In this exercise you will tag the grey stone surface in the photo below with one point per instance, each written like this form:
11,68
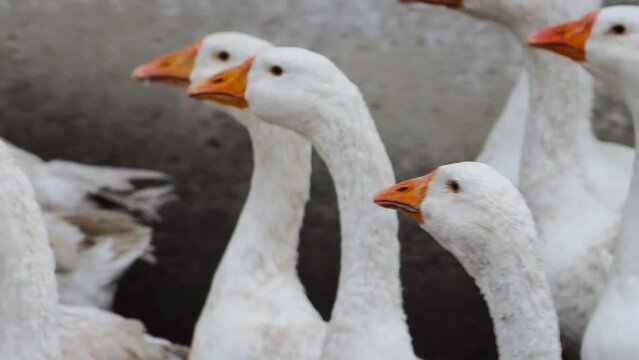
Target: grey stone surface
434,80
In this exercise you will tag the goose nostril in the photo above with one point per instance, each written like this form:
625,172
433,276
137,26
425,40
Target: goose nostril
403,189
165,64
217,80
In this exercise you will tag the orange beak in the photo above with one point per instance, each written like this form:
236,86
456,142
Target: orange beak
227,87
407,196
173,68
567,39
453,4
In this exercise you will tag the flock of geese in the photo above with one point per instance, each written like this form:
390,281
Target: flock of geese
544,221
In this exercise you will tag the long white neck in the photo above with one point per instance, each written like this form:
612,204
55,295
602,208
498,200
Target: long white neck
627,251
559,139
521,306
506,265
267,232
368,310
28,293
559,132
503,146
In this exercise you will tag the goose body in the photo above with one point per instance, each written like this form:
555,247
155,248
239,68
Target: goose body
29,306
257,307
34,325
480,217
91,334
502,148
575,185
605,43
92,246
306,93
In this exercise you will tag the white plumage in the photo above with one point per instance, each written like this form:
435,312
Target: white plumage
92,334
608,42
257,308
93,247
306,93
502,148
34,325
480,217
575,185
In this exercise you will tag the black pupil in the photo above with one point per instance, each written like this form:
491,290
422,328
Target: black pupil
223,55
276,70
619,29
454,186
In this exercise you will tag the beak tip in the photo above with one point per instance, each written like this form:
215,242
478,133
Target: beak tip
194,92
381,196
139,73
532,39
378,198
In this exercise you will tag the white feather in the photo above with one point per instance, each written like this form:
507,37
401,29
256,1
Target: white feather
257,308
34,326
316,100
93,247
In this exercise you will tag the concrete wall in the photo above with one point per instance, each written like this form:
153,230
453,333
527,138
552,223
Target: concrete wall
434,80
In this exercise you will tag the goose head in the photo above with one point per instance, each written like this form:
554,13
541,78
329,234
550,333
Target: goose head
462,205
224,50
289,87
213,53
205,57
605,42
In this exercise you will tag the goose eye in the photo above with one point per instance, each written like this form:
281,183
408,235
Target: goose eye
454,186
223,55
618,29
276,70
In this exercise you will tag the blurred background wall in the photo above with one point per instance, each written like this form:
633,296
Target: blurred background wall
434,80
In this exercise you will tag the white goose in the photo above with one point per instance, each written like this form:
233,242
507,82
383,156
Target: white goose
606,44
575,185
34,325
305,92
257,307
481,218
503,145
93,246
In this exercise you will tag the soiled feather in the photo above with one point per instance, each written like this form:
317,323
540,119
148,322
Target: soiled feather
93,248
